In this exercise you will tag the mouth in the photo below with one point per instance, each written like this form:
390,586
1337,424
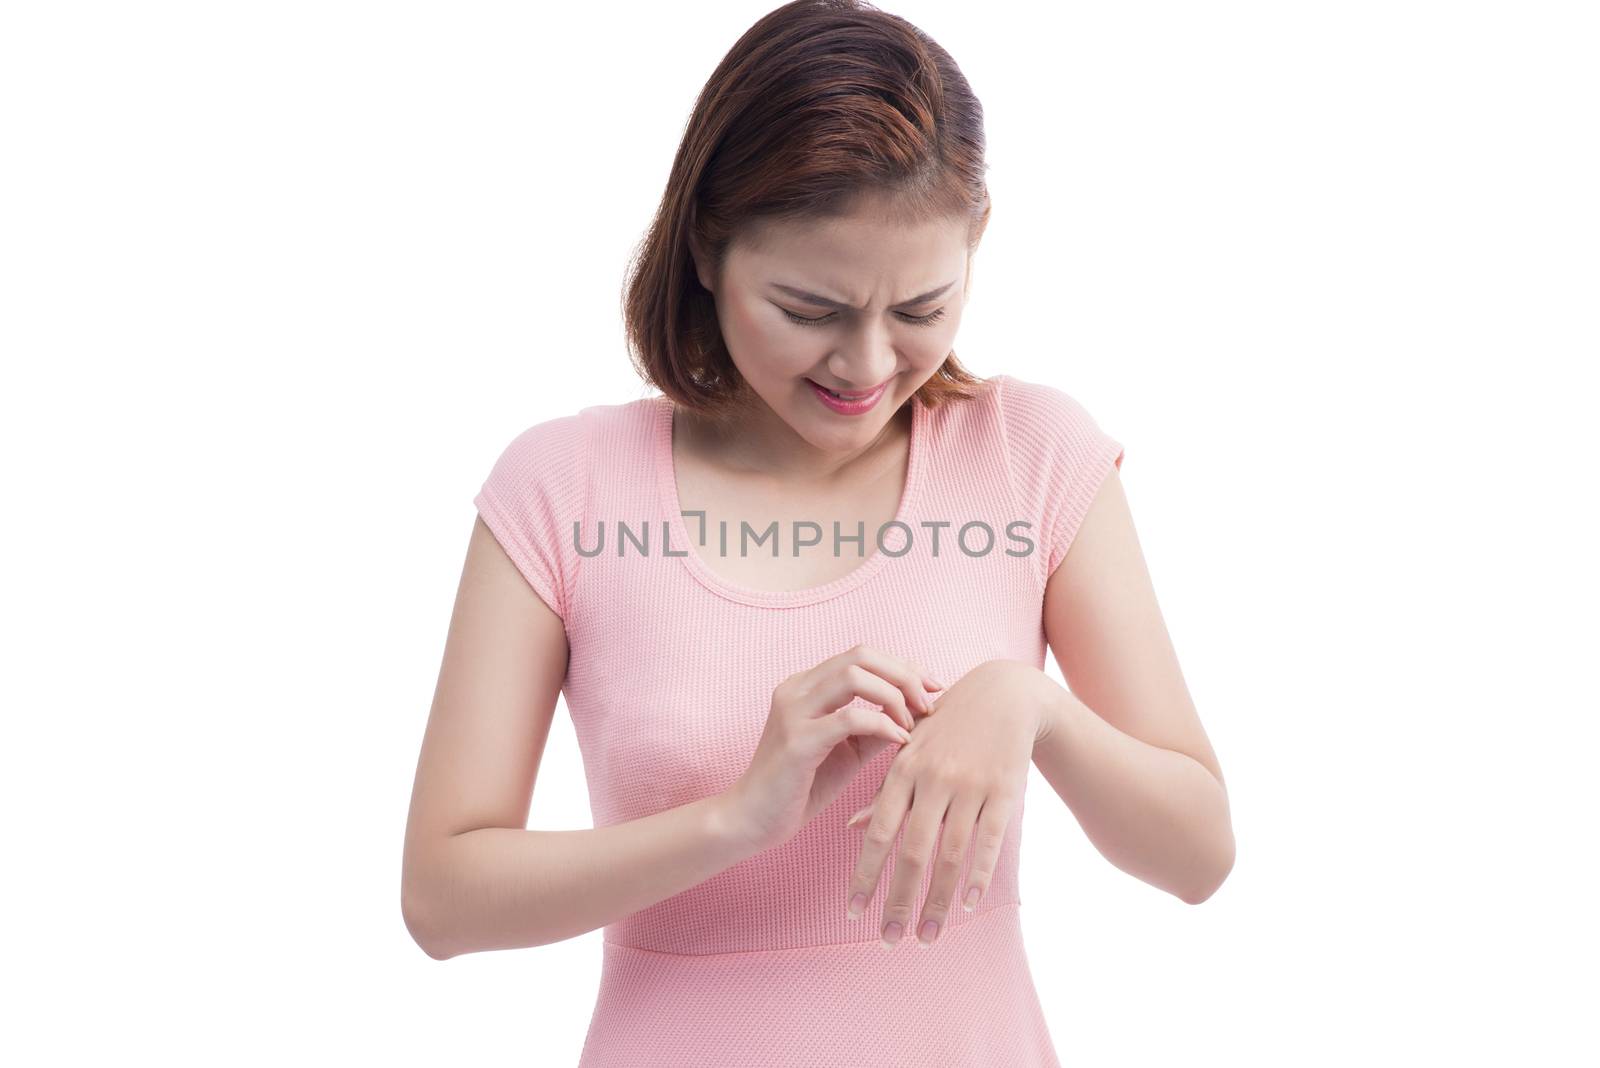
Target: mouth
854,395
853,403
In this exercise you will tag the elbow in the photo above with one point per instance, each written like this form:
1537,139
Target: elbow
421,924
423,908
1217,874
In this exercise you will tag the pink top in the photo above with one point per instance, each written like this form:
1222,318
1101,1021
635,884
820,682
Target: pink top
669,684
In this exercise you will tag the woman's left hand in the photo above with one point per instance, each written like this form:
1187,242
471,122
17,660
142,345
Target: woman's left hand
965,768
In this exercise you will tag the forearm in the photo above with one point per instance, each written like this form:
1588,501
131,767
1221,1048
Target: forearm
1159,815
509,888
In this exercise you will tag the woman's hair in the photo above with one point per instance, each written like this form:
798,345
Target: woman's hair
821,107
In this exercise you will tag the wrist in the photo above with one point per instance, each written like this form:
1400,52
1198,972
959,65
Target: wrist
725,816
1055,705
1049,698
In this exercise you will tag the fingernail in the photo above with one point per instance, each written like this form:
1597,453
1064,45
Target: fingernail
930,928
853,820
891,932
972,899
933,684
857,903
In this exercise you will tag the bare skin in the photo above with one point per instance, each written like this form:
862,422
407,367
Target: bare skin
1129,757
867,493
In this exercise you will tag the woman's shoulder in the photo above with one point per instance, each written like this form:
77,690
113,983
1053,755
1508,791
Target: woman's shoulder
1019,417
1025,398
1037,417
581,436
548,468
1056,455
539,486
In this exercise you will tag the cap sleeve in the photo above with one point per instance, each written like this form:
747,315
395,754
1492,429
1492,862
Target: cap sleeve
1058,457
535,493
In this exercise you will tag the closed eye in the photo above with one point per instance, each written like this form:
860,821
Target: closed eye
920,320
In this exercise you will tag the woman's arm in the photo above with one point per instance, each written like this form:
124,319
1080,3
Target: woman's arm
507,888
1124,746
474,877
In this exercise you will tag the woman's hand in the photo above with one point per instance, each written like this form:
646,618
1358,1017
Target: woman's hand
965,768
817,737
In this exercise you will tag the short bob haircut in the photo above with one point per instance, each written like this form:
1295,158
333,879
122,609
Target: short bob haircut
821,106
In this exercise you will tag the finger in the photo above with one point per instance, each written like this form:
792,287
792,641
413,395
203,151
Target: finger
910,676
842,723
888,809
911,862
895,669
953,843
987,838
863,814
838,687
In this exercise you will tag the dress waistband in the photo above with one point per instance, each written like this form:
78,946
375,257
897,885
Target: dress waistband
967,999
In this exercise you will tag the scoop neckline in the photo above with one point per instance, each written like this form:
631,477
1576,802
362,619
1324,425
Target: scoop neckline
895,538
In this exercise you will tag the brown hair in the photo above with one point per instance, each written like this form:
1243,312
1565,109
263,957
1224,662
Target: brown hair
821,106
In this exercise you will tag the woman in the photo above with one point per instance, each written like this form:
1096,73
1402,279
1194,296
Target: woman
814,577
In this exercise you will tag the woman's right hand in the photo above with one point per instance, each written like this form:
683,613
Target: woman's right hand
817,737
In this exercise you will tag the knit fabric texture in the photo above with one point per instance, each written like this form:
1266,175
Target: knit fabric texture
670,682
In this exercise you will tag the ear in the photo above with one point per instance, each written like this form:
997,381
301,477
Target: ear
701,264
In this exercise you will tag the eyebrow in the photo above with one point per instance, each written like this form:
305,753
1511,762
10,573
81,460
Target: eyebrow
824,302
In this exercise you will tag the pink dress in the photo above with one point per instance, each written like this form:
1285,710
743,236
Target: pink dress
670,681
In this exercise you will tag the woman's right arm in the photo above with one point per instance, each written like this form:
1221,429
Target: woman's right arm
474,877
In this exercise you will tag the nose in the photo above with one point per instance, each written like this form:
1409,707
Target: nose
864,362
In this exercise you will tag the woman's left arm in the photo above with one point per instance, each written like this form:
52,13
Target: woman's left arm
1124,747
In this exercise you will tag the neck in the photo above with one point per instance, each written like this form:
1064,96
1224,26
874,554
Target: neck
756,440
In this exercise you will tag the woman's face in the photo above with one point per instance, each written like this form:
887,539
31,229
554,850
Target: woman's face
899,289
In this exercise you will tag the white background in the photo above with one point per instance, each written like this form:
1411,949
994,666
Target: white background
281,280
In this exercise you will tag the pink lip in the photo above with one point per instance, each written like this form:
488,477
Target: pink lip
851,404
860,394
